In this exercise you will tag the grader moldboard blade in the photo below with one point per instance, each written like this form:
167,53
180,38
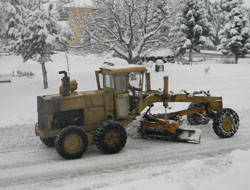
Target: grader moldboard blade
189,135
168,129
167,126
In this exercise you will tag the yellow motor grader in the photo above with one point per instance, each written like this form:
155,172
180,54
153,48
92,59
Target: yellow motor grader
72,120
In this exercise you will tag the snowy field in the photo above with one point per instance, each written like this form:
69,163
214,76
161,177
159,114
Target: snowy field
215,164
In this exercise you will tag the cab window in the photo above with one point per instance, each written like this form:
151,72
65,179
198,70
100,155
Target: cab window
121,84
108,81
135,80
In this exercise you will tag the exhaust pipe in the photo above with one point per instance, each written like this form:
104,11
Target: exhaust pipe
65,86
165,92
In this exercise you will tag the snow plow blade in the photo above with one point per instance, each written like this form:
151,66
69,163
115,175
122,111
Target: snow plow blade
189,135
155,127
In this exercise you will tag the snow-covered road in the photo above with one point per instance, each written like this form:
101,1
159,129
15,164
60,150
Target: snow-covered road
25,163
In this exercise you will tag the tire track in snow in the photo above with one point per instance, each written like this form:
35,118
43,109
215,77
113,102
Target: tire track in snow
24,158
146,153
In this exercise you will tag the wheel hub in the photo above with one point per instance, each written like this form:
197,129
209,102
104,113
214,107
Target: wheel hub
72,143
112,138
227,124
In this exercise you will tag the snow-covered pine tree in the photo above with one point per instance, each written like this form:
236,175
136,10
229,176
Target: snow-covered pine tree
225,7
32,4
175,38
235,36
2,23
229,5
194,27
214,10
161,40
13,19
38,40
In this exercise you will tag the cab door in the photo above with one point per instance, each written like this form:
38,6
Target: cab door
135,84
122,97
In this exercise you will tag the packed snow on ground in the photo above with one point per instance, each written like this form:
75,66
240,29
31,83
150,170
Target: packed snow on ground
218,173
18,108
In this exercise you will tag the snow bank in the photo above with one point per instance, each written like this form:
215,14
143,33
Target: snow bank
218,173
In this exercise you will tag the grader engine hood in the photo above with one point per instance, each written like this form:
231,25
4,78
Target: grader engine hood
79,108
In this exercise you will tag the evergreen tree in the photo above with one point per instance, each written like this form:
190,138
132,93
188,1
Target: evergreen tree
38,40
225,7
235,36
2,23
194,29
229,5
161,40
13,19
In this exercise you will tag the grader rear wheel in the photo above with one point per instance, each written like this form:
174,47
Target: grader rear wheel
71,142
226,123
110,137
196,119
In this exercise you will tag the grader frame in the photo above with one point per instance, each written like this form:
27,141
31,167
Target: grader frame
71,120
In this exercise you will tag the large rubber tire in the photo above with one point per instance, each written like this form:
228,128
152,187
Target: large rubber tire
110,137
195,119
226,123
49,142
71,142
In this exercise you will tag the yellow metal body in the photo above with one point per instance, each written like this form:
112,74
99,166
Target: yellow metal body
115,99
72,87
227,124
112,138
162,124
73,143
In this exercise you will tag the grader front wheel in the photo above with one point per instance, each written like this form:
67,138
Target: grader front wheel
110,137
226,123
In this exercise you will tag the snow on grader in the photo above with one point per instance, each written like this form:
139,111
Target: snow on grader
72,120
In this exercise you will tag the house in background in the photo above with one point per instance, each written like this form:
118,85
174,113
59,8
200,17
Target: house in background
76,11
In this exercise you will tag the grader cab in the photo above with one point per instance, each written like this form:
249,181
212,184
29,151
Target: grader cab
72,120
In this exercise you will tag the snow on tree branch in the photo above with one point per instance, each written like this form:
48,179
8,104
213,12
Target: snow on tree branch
124,26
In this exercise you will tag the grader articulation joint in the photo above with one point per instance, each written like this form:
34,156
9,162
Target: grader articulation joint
72,120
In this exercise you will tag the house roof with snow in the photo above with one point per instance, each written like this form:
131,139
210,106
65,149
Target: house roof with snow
80,4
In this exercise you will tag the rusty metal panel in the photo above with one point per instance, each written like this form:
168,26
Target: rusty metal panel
88,101
64,104
41,111
97,100
109,101
109,115
94,115
72,104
